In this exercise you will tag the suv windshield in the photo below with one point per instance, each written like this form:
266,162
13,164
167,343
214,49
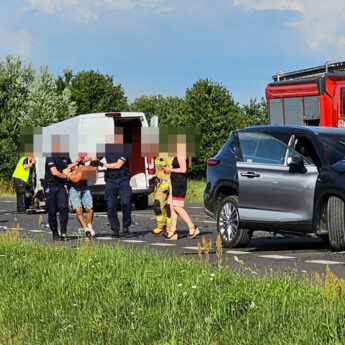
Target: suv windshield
332,147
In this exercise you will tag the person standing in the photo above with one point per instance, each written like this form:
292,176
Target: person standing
21,177
56,194
160,206
80,196
117,184
177,197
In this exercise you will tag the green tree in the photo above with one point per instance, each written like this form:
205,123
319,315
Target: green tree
64,81
211,107
45,104
27,98
255,113
94,92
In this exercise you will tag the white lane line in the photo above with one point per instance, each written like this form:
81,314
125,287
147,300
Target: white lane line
10,228
277,257
36,230
325,262
194,207
133,241
191,248
236,252
7,201
104,238
209,221
163,244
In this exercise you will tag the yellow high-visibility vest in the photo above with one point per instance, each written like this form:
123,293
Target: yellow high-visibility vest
20,172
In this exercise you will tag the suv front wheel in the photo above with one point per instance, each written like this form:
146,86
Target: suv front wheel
228,220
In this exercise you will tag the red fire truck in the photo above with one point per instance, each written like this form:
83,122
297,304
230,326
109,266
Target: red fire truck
310,97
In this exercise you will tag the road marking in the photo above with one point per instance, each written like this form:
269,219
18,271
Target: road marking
191,248
36,230
277,257
133,241
194,207
7,201
236,252
104,238
163,244
325,262
209,221
10,228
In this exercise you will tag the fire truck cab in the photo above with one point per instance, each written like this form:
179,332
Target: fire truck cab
309,97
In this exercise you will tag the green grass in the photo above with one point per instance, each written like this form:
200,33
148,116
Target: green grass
115,295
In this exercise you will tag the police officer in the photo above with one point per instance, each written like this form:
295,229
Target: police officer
117,184
21,177
56,194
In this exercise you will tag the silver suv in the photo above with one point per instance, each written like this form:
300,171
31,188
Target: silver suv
279,179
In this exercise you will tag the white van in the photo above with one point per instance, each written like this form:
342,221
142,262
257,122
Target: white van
88,133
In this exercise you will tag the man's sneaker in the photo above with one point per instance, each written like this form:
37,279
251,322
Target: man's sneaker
125,230
115,234
63,237
89,232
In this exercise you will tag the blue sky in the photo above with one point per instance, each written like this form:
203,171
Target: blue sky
164,46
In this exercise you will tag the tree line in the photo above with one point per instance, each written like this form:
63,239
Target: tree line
30,97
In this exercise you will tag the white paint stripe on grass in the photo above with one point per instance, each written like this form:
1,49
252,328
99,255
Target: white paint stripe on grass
163,244
133,241
235,252
276,257
325,262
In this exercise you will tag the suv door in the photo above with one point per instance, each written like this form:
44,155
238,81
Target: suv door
273,195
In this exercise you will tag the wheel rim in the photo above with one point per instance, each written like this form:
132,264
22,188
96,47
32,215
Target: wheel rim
228,221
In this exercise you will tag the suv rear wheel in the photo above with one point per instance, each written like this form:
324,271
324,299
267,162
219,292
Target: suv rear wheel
228,220
336,223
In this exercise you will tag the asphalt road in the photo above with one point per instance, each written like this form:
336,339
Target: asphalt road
265,253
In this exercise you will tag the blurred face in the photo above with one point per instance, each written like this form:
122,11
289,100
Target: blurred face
181,146
118,137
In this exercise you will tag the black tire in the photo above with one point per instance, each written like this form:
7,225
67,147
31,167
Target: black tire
336,223
228,220
141,203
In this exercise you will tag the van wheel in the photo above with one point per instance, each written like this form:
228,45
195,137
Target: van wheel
336,223
228,221
142,202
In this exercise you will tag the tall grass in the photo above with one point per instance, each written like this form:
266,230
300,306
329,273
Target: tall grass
115,295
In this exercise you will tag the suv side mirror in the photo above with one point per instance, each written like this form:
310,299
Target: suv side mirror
295,161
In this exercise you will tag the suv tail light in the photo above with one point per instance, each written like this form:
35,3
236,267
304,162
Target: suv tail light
211,162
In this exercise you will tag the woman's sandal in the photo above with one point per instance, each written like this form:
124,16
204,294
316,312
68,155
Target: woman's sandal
172,237
195,233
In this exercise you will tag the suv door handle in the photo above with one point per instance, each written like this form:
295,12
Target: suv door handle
250,174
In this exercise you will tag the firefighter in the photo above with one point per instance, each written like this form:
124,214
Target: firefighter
160,207
21,177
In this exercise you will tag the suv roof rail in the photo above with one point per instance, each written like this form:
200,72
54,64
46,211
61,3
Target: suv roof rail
328,67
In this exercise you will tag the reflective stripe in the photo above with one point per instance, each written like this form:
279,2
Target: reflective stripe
161,218
20,172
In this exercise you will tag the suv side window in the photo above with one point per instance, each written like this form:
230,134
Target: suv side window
261,148
305,147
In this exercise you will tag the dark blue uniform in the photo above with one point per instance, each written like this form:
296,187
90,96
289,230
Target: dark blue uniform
117,184
56,195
